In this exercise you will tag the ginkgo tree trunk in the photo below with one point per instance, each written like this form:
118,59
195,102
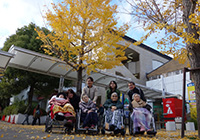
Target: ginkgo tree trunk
85,35
179,19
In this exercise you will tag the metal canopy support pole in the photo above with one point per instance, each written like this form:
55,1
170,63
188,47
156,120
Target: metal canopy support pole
61,84
183,103
183,107
162,85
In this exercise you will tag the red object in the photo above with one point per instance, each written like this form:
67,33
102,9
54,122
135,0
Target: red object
13,121
172,108
52,115
40,98
3,118
9,119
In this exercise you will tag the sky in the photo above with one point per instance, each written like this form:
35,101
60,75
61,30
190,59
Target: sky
15,14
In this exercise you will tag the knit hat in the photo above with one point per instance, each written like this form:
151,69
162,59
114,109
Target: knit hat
135,94
114,94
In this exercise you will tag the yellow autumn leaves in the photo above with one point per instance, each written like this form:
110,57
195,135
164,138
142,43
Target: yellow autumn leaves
168,18
37,133
84,34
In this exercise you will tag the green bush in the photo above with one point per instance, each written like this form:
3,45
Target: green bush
15,108
20,107
12,109
193,114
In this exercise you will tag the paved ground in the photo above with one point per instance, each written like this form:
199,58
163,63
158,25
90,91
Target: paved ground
10,131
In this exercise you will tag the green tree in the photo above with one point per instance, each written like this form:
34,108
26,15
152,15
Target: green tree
15,80
85,35
179,19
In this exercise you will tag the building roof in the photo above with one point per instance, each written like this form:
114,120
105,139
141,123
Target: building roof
147,48
4,59
47,65
169,66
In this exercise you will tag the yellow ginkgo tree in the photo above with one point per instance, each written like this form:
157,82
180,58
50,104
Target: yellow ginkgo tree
179,21
85,35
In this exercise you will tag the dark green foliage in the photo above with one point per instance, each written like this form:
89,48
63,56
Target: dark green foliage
15,80
15,108
20,107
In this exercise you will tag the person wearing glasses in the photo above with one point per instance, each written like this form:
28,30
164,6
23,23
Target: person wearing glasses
113,114
134,90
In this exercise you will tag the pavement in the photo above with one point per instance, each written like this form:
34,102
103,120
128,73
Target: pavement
10,131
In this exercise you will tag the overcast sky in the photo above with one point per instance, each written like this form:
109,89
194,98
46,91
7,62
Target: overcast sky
18,13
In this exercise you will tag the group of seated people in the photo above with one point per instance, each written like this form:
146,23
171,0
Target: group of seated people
66,104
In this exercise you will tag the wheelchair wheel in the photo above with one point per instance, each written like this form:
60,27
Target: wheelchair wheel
68,130
130,126
48,125
151,133
123,132
49,130
102,131
138,133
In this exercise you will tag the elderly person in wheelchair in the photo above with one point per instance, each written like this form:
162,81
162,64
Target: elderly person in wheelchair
141,115
61,106
113,114
88,112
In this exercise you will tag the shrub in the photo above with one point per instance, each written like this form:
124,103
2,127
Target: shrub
15,108
193,113
20,107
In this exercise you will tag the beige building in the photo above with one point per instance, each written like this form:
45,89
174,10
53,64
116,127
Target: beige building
142,59
169,77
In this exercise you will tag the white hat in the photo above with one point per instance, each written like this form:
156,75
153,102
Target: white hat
135,94
114,93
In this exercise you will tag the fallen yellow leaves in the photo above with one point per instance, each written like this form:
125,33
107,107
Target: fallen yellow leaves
43,137
38,134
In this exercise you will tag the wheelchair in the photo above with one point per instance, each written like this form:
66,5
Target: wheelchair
113,129
136,131
58,122
79,128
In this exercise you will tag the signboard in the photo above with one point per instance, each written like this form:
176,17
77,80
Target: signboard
191,95
172,108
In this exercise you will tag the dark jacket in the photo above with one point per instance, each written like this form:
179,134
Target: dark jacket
87,106
109,103
100,111
138,91
109,92
75,102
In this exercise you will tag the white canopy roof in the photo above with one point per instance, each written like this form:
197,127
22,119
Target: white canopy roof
4,59
35,62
